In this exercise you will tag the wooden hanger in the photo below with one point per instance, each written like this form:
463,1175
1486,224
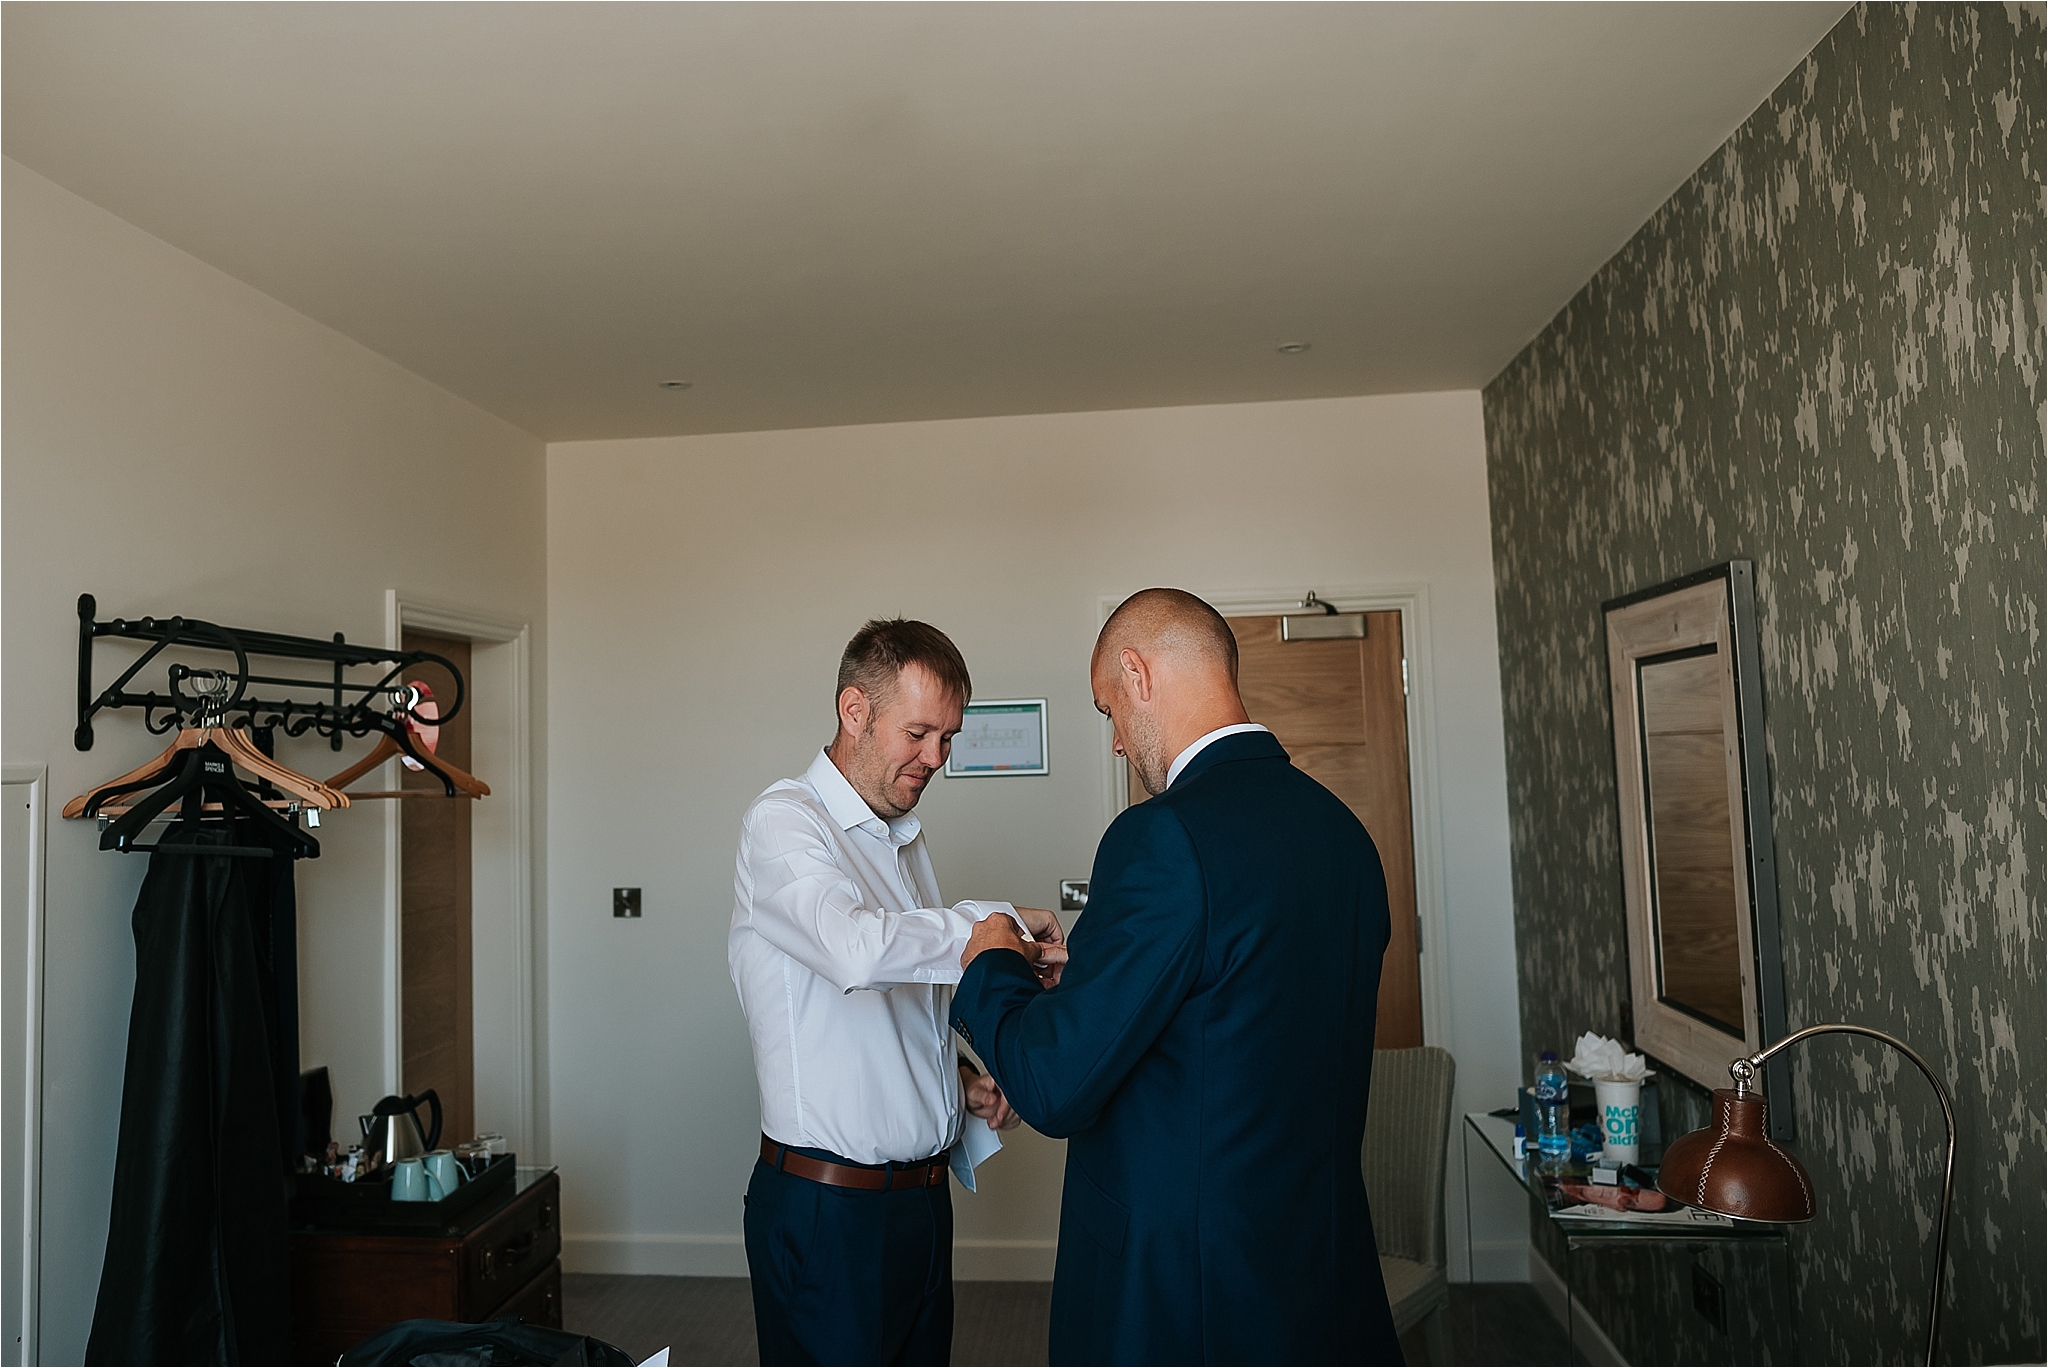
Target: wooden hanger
149,775
236,745
210,809
455,781
243,752
213,688
207,770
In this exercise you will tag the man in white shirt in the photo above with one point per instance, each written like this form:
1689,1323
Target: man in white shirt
845,960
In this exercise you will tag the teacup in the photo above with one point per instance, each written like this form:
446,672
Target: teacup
445,1169
410,1182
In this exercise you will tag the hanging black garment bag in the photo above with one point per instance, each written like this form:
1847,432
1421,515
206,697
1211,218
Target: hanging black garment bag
197,1266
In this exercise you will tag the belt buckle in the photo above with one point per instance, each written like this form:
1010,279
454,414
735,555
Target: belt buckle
921,1174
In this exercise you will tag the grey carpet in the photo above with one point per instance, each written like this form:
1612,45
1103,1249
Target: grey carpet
702,1320
1501,1323
711,1320
1000,1322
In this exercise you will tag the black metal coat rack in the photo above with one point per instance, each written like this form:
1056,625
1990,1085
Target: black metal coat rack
340,706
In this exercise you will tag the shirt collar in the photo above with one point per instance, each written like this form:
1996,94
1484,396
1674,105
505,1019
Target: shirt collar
849,810
1201,743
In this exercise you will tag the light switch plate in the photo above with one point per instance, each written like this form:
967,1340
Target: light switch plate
1073,895
625,902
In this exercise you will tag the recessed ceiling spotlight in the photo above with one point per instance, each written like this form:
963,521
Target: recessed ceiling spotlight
1292,348
675,384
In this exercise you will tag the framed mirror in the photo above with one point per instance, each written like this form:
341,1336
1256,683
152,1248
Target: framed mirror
1697,866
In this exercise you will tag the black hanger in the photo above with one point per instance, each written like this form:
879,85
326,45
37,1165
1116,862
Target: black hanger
207,772
99,798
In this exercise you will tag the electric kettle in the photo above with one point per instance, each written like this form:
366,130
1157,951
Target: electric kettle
393,1127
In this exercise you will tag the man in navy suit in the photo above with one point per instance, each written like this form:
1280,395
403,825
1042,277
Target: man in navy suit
1208,1046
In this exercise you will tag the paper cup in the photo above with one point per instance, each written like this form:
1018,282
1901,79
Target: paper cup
1621,1116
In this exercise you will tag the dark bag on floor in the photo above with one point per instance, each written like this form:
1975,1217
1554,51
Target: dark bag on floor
496,1342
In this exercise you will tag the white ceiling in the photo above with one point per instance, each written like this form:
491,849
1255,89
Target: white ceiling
859,213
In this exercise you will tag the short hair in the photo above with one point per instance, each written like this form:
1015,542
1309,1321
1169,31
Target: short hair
885,647
1173,619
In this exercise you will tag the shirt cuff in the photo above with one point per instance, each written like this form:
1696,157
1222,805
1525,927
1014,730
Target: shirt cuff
981,910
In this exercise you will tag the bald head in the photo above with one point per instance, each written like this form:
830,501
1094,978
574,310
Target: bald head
1165,674
1169,623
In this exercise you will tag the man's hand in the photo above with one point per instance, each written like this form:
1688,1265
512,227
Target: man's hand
1043,925
1045,929
1000,933
986,1100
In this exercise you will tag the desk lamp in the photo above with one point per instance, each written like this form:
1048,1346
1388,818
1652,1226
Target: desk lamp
1733,1168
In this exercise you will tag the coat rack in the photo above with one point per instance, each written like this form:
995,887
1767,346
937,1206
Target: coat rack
339,707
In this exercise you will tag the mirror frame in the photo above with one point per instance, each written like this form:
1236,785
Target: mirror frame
1712,607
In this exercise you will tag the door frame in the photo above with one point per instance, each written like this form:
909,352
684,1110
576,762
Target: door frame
501,860
27,1014
1411,601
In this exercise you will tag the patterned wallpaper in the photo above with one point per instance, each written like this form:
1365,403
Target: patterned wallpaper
1825,354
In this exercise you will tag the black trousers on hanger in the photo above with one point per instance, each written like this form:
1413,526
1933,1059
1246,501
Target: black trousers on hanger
197,1267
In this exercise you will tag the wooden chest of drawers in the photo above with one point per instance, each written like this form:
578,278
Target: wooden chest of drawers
502,1261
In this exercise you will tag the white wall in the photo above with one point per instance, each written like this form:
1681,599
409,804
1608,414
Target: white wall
175,441
700,590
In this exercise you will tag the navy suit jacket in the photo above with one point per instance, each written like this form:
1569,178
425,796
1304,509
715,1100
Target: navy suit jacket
1207,1054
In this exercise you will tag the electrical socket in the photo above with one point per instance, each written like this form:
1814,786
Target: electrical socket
1707,1299
1073,895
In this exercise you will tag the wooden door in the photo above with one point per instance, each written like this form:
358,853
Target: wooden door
435,1007
1341,710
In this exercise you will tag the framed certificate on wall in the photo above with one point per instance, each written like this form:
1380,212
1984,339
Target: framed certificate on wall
1001,737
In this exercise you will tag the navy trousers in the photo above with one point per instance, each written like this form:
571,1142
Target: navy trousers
846,1276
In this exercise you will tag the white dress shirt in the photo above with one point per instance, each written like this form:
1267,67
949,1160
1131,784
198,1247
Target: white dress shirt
1202,742
845,961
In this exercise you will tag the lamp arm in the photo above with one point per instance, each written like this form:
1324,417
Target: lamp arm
1743,1069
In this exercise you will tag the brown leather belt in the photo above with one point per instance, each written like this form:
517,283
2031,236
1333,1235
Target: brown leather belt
922,1173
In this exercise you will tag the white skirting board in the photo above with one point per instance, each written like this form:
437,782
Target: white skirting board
1497,1261
675,1256
725,1256
1004,1260
1587,1336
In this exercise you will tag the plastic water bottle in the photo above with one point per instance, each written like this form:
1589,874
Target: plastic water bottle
1553,1103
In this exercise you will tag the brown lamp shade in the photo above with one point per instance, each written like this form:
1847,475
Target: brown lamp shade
1733,1168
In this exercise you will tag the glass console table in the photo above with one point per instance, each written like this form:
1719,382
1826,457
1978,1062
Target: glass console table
1675,1227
